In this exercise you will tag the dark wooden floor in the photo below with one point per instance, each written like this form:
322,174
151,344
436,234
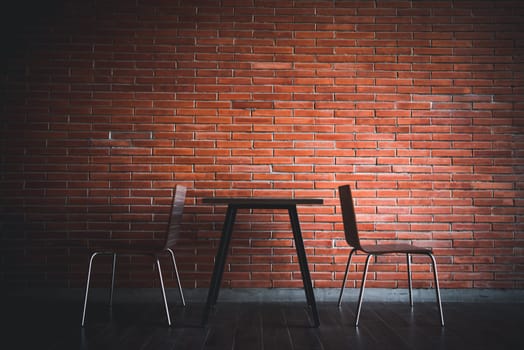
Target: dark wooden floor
56,325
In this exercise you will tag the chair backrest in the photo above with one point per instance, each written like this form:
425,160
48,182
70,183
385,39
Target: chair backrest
348,216
175,218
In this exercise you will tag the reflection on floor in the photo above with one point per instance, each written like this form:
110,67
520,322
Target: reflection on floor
56,325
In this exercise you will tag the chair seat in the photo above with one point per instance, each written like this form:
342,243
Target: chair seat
134,247
391,248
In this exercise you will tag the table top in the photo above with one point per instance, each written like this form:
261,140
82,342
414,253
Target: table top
269,202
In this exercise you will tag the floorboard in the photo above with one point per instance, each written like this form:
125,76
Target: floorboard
39,324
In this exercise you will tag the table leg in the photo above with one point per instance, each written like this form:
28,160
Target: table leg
220,261
304,269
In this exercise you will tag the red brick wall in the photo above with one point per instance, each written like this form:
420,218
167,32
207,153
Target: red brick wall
418,105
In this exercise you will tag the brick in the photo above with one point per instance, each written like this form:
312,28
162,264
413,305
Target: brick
416,104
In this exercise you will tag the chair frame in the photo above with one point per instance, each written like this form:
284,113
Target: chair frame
352,238
173,227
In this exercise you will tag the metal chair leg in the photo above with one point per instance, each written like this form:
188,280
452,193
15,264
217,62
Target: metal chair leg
87,285
345,277
362,287
112,280
437,288
410,285
177,276
163,290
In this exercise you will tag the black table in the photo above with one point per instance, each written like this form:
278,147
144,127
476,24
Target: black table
235,203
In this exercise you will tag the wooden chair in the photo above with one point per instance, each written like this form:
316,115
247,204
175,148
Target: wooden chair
352,238
114,249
